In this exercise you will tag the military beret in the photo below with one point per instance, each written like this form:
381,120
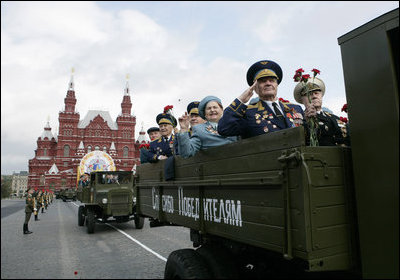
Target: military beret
203,104
264,68
152,129
192,108
311,85
165,118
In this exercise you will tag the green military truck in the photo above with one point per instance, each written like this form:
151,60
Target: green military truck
57,193
68,194
270,206
110,194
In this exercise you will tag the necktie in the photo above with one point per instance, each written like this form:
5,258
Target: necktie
278,113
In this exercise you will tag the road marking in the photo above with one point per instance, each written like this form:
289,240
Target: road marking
139,243
134,240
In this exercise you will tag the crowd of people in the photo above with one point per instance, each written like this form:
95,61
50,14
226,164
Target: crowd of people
207,124
36,200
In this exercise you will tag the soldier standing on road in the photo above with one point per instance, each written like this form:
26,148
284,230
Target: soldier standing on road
46,199
28,211
36,197
42,201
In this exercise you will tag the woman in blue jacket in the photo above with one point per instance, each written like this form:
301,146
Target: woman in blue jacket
204,135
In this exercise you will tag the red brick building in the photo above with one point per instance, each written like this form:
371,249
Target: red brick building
57,157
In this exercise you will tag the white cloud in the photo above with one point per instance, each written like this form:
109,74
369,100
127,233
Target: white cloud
169,64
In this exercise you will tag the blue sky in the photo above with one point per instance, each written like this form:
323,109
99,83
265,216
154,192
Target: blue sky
175,52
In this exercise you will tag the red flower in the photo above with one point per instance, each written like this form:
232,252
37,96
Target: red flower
300,70
146,146
344,108
167,108
345,120
283,100
297,77
316,72
304,78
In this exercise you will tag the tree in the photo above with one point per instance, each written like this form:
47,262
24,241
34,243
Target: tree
6,188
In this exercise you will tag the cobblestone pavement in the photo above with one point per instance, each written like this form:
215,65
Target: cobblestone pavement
59,249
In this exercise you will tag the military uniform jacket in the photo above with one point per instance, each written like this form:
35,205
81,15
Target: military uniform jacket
161,146
29,204
204,136
257,118
331,130
37,199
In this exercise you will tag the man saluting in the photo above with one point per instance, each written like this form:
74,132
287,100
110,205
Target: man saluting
264,114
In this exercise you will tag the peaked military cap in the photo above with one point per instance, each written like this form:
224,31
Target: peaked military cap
192,108
264,68
152,129
165,118
311,85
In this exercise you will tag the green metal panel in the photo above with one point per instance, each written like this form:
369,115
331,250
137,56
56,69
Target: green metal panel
371,80
268,191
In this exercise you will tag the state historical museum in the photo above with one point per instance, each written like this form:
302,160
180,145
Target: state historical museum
57,157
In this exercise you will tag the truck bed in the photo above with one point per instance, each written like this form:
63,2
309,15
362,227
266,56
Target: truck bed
269,191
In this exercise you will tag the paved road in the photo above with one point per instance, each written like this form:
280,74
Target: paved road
59,248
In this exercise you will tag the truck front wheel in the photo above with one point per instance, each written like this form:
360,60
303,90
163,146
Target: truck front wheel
139,222
81,216
186,264
90,221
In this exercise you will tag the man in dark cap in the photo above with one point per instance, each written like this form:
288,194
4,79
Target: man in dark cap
154,133
194,117
164,146
264,114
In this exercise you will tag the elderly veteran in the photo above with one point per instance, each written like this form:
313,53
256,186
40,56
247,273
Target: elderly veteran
331,131
194,117
154,133
264,114
164,146
204,135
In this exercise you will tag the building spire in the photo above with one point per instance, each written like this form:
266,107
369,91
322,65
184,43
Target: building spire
48,122
126,104
71,82
127,85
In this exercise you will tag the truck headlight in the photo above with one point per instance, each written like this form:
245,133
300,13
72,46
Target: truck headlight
104,200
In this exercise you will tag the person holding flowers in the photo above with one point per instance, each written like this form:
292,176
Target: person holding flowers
322,128
264,114
166,145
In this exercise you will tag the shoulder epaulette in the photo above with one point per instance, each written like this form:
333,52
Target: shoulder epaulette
157,139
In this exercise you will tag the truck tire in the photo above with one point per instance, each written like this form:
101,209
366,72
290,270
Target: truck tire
220,262
81,216
186,264
139,222
90,221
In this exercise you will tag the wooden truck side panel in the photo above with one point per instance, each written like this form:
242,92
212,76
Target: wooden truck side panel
268,191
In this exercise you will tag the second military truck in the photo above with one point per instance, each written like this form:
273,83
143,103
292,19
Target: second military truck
109,195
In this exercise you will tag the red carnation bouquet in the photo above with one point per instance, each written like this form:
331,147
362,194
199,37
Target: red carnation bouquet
146,146
168,109
312,122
